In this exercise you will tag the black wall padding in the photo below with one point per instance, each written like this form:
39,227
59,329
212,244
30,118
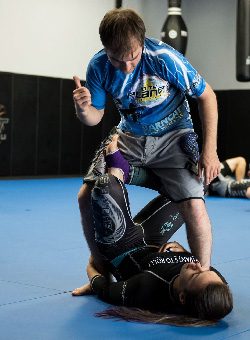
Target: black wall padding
45,138
6,100
24,125
93,135
70,133
243,41
233,123
48,126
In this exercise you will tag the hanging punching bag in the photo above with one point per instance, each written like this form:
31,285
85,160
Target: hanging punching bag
243,41
174,31
118,4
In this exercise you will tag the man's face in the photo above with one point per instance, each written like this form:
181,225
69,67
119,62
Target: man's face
128,62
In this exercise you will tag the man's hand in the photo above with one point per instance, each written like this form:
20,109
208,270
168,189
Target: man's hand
209,167
209,164
81,96
87,114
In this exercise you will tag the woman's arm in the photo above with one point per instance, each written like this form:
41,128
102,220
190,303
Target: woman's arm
133,292
91,272
238,166
172,246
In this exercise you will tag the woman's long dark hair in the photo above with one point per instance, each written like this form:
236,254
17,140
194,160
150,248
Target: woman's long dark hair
203,309
213,302
140,315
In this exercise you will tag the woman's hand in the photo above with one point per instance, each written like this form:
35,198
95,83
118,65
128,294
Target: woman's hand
83,290
172,246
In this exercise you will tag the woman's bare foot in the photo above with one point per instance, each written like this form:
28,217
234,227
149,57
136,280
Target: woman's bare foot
112,146
83,290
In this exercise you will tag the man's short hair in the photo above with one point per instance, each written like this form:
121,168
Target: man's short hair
119,27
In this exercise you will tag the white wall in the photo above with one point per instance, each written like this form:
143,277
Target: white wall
58,37
50,37
212,37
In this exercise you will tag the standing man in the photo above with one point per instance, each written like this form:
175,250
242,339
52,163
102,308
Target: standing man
149,82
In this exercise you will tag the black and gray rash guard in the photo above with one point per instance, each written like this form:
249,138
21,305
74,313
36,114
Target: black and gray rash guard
151,288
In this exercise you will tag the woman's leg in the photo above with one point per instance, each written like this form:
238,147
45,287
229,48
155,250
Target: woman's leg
115,231
238,167
160,219
84,201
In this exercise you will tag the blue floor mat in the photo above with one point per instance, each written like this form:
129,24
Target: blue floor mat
43,257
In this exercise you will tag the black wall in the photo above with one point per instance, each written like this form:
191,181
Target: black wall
233,123
45,138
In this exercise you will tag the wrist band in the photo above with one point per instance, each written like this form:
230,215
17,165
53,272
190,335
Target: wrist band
116,160
93,279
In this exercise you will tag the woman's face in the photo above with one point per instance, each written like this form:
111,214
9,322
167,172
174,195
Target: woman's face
193,277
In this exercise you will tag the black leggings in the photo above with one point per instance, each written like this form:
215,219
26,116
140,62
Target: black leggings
116,233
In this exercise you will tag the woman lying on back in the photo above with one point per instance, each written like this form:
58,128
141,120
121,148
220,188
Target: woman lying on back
157,282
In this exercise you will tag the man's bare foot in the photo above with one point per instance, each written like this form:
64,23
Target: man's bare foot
83,290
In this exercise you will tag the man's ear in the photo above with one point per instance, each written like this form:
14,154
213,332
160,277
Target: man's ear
182,298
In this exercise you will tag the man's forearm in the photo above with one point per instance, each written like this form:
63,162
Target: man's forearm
90,116
199,231
208,112
200,242
209,131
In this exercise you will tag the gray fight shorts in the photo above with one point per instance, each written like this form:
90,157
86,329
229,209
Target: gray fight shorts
167,164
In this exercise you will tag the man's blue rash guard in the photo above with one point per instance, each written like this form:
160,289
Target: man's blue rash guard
152,99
